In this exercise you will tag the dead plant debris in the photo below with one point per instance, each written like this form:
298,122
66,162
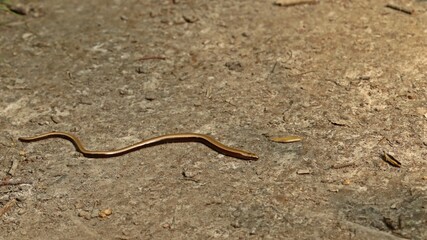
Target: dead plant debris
7,206
398,8
290,3
391,160
287,139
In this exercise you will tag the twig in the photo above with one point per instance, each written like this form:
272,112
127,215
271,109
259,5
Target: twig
272,71
397,8
290,3
301,74
151,58
11,182
7,206
342,165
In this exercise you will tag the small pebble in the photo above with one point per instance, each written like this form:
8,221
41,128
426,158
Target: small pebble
21,211
55,119
189,173
140,70
84,214
166,225
27,35
94,213
150,97
234,66
346,182
105,213
78,205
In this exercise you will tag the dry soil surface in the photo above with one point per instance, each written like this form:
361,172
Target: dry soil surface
347,76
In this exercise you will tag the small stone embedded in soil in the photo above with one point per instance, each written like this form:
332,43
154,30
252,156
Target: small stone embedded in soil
43,123
55,119
43,197
346,182
140,70
150,97
26,36
393,225
188,173
94,213
166,225
84,214
340,122
364,77
303,171
22,211
105,213
234,66
190,18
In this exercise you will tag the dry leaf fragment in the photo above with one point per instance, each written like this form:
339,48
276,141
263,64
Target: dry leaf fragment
287,139
391,160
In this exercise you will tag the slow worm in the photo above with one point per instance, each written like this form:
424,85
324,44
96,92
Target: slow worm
180,137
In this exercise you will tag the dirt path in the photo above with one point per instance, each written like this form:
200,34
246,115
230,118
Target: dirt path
347,76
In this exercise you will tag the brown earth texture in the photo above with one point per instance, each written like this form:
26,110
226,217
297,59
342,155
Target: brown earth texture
348,77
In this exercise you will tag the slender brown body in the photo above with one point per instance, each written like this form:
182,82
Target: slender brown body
180,137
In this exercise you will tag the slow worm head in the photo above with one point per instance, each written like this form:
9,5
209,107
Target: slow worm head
180,137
